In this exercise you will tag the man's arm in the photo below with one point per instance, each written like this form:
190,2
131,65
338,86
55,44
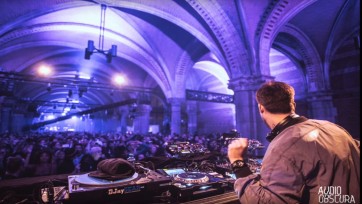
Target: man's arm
279,180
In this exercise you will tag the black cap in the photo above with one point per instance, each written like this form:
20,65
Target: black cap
113,169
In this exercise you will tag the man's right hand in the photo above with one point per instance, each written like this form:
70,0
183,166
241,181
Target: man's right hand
237,149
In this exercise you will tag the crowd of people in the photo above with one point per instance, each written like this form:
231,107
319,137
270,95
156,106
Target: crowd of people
42,154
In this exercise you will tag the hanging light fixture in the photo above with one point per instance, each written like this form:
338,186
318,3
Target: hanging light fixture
112,52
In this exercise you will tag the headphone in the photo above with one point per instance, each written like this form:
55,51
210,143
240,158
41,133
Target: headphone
290,120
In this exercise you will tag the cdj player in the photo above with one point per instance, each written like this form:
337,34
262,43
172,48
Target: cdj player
197,173
188,186
143,187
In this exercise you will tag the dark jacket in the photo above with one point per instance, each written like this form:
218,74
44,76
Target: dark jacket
88,164
311,162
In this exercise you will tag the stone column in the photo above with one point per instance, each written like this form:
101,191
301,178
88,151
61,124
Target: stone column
123,119
321,106
192,116
142,120
175,115
18,122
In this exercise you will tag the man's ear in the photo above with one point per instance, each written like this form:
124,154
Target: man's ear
261,108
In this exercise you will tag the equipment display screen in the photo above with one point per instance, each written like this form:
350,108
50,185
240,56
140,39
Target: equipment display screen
173,172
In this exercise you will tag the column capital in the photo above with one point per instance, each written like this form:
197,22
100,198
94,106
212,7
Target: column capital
144,108
248,83
175,101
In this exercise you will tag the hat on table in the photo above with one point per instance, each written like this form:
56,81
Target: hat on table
113,169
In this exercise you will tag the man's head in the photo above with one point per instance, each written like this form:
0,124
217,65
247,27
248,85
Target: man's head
276,97
275,102
96,152
14,165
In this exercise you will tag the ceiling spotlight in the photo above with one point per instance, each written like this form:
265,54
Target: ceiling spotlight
44,70
119,79
89,50
111,53
90,46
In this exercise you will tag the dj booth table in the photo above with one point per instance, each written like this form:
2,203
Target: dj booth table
189,175
29,190
201,179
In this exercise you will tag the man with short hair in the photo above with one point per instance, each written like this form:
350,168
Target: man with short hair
90,161
307,161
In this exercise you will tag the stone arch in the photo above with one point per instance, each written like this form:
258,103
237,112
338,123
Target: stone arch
333,42
184,65
227,36
312,63
333,51
275,16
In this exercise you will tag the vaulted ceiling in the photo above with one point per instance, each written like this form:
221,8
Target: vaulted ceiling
163,46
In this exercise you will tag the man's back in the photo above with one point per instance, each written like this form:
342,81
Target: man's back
320,160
